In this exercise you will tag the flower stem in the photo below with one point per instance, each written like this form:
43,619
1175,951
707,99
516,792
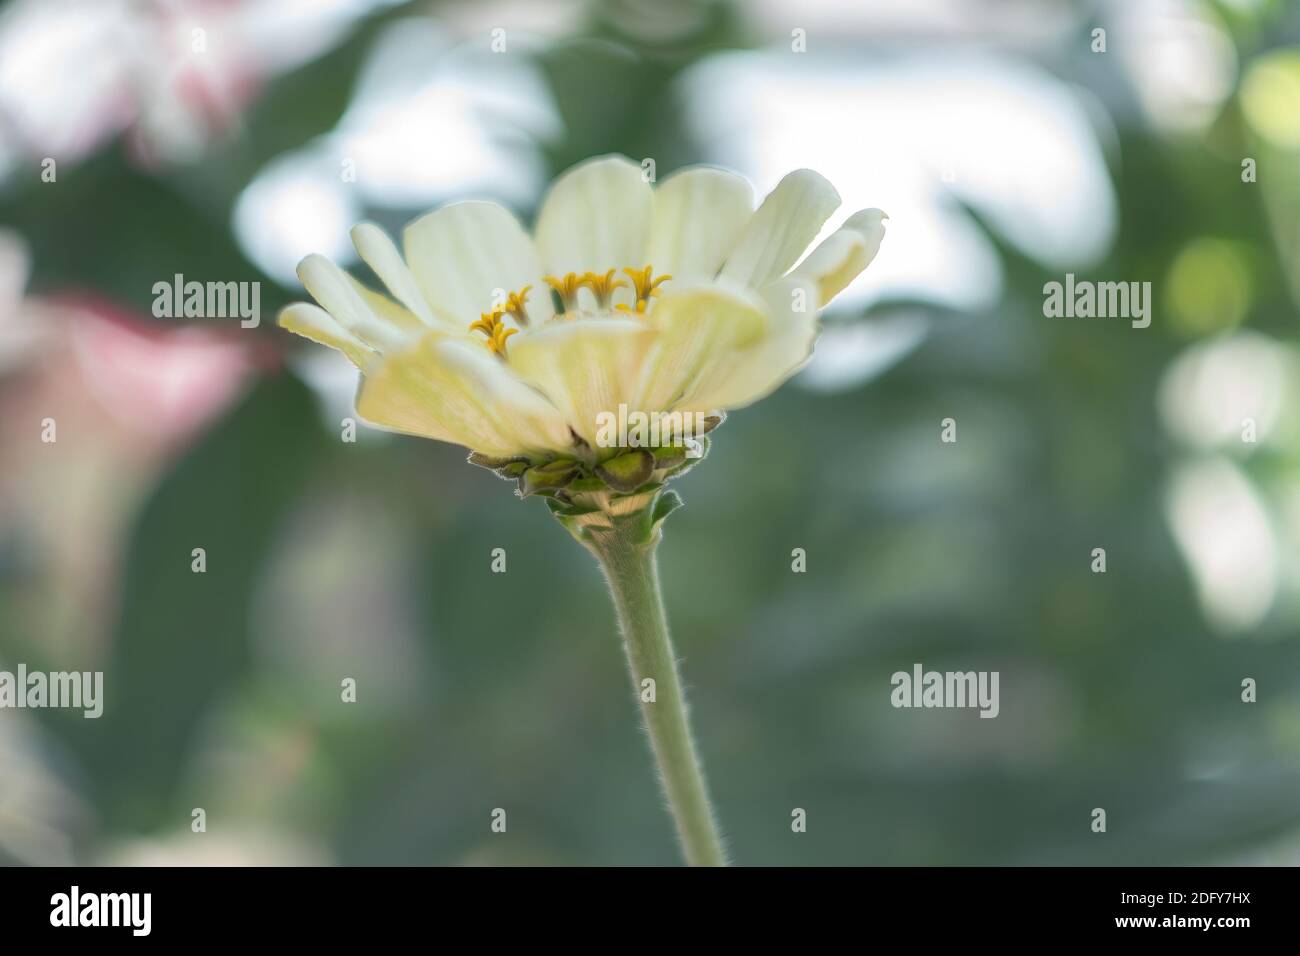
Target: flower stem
628,561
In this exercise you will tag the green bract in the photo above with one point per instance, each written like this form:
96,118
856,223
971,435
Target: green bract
625,472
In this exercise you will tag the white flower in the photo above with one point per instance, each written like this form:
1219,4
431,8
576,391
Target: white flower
680,298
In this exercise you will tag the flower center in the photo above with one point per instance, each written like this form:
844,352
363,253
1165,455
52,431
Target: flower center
645,286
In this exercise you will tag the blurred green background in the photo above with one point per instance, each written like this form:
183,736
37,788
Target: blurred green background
223,141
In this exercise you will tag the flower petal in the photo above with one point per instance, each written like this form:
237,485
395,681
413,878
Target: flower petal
584,367
781,229
337,292
390,312
596,217
467,256
378,251
757,372
313,322
699,215
845,253
455,390
699,330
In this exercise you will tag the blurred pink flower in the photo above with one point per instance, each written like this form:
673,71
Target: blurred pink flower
164,381
124,396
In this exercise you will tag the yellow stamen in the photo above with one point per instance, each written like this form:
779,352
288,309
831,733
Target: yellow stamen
515,304
602,287
645,286
497,332
486,322
499,335
567,288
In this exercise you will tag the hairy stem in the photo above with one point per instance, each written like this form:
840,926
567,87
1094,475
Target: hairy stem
628,561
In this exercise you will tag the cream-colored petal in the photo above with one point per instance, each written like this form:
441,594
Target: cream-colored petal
468,255
759,370
699,329
781,229
337,292
844,254
699,215
596,217
312,322
392,313
380,253
455,390
869,222
584,367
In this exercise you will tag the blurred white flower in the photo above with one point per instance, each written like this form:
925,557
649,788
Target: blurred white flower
922,134
428,121
1181,60
1231,393
1226,536
175,72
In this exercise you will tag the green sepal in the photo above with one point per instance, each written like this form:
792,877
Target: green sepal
664,505
649,488
676,438
687,464
559,464
669,456
508,468
563,509
577,519
629,471
490,462
548,478
587,483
